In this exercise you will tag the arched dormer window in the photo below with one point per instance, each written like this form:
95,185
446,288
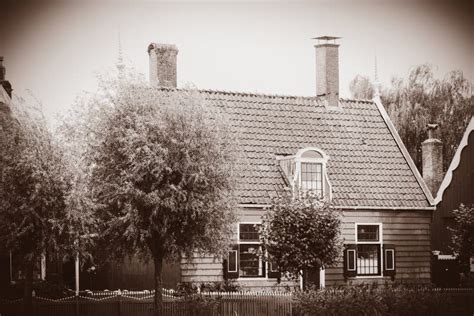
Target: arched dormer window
306,170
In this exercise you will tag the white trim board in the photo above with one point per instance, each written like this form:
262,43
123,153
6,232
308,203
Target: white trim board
403,149
454,163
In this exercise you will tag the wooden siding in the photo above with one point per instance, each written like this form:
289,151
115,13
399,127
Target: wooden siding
460,190
409,231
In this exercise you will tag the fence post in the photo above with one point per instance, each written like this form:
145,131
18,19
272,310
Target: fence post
77,304
119,303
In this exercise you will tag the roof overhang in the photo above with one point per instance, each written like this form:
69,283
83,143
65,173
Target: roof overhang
403,149
368,208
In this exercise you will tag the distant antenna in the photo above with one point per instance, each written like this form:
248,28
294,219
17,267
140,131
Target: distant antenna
120,64
376,77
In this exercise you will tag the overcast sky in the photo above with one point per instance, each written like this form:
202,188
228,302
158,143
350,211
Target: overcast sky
54,48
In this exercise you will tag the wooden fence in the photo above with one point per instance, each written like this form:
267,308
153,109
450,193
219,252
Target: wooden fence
141,304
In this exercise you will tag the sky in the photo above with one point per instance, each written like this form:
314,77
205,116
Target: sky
56,48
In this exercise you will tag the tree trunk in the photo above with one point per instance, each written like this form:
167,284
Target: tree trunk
158,262
28,289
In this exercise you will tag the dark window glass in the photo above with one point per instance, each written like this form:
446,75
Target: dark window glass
251,265
368,233
249,232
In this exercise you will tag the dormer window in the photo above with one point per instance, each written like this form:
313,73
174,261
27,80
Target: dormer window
306,171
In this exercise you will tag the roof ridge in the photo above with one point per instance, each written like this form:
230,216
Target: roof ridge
256,94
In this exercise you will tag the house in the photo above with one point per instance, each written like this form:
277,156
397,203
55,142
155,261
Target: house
456,187
347,150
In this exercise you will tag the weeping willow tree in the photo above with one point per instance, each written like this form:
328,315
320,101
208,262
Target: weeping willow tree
420,99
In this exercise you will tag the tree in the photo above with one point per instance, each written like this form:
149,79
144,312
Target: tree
161,171
361,88
36,217
422,98
462,235
301,232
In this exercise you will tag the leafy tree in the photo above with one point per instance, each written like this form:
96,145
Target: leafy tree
420,99
36,214
161,169
361,88
463,235
301,233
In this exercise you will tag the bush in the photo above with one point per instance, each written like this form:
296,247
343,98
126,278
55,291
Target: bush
188,288
41,288
372,300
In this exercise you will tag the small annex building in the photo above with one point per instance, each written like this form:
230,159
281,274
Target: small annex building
347,150
456,187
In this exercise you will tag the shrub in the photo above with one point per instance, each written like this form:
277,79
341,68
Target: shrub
41,288
372,300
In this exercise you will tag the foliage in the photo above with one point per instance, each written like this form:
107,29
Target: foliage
160,165
361,88
420,99
41,288
301,232
372,300
187,288
462,235
36,193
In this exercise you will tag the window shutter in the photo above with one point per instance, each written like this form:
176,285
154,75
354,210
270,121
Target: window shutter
350,260
389,262
231,263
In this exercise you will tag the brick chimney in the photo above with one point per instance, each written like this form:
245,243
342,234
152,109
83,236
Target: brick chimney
327,69
163,65
432,154
5,83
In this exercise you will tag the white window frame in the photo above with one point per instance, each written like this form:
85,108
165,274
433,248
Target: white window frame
296,181
265,277
381,252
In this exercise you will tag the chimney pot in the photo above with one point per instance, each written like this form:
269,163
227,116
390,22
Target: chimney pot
163,65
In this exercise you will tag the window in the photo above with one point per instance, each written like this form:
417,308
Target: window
364,258
312,177
307,171
251,262
368,249
245,260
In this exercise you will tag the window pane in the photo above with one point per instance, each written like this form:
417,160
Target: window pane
251,265
368,233
368,259
311,177
249,232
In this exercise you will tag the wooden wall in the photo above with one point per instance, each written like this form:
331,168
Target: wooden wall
460,190
409,231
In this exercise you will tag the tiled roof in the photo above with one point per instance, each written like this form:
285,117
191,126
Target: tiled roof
365,167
